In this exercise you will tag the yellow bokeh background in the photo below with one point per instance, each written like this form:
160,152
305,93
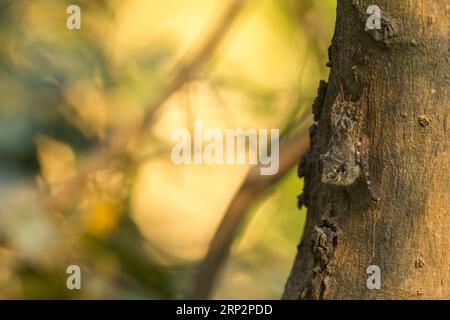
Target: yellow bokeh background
100,80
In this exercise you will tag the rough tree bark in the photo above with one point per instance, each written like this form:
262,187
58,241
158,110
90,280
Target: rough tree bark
404,70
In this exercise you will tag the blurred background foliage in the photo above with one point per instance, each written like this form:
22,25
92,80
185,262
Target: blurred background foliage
140,228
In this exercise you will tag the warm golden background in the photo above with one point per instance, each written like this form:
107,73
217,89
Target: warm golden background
139,227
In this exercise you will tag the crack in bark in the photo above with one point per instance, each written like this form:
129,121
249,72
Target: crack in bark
325,239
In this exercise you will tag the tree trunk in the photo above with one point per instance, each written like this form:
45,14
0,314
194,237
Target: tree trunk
398,76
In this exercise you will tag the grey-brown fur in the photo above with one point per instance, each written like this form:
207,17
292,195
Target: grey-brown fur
346,156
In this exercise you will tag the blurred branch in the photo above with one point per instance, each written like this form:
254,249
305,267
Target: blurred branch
254,185
301,11
187,69
115,149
